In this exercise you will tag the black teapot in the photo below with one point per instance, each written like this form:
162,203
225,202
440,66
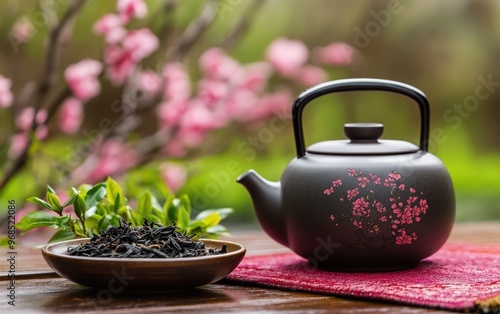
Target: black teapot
361,204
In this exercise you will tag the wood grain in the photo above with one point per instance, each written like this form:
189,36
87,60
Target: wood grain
39,290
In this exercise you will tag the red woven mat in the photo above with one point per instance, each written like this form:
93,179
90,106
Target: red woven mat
458,277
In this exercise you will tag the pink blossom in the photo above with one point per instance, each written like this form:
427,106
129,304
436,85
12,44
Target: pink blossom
41,131
174,175
423,206
71,115
131,8
175,148
363,181
122,60
114,156
337,183
337,53
351,172
352,193
149,82
18,143
23,30
383,218
253,76
140,43
217,65
412,190
287,56
376,180
270,104
332,217
360,207
379,206
120,64
329,191
196,122
5,93
405,238
25,118
394,175
242,104
82,78
111,26
358,224
170,113
211,91
310,75
177,82
107,23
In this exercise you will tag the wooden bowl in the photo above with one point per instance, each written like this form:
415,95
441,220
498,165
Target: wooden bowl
143,274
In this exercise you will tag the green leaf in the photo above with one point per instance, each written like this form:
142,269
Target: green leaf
101,210
182,218
217,231
114,192
91,222
136,218
145,204
71,198
36,219
62,235
54,201
50,189
223,213
185,203
63,221
103,223
95,195
212,220
80,207
40,202
169,211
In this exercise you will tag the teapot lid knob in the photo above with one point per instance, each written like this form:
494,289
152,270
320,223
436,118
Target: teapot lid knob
363,132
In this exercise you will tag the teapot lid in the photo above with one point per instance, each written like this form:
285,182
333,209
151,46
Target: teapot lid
363,140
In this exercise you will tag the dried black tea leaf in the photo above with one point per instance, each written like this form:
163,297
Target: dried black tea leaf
152,240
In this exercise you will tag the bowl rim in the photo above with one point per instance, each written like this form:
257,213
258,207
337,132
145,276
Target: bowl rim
46,250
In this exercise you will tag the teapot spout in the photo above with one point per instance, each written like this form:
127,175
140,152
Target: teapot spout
266,198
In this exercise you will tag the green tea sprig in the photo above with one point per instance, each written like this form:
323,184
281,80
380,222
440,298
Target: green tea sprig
96,207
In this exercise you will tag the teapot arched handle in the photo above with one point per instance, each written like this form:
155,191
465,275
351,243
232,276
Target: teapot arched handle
359,84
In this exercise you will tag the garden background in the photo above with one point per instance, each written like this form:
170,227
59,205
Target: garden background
448,49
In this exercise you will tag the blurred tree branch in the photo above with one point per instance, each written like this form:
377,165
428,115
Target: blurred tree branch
46,82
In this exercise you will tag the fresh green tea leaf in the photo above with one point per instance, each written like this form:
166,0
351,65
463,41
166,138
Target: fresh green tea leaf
223,213
212,220
63,221
216,231
145,204
54,201
80,207
40,202
62,235
95,195
114,192
169,211
185,203
182,217
50,189
36,219
71,198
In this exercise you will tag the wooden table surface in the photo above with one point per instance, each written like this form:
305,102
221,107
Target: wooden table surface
40,290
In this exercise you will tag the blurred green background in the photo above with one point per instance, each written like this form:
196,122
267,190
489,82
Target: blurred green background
445,48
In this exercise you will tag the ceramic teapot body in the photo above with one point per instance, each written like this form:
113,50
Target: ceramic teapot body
361,204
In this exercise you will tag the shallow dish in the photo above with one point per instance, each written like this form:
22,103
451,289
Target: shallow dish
143,274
